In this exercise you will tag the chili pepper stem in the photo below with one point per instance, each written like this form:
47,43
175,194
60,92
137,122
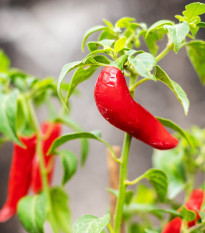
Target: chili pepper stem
164,52
43,170
122,187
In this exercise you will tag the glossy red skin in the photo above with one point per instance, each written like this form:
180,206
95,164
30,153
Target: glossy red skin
194,203
50,132
117,106
173,226
20,176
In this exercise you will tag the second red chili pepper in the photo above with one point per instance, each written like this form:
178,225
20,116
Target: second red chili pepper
194,203
20,176
50,131
117,106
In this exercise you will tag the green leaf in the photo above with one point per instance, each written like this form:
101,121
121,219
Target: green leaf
108,23
186,214
84,142
101,59
171,162
162,76
90,224
94,45
120,44
8,107
196,53
159,24
135,227
150,231
66,69
152,39
178,33
4,62
170,124
32,213
89,32
81,74
70,163
124,22
144,195
143,64
72,136
159,181
194,9
60,209
201,25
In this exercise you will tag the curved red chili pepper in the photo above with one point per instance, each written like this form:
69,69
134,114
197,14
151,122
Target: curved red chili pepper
194,203
50,132
117,106
20,176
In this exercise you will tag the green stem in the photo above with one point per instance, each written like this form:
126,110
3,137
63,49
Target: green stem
132,88
164,52
43,169
133,182
122,188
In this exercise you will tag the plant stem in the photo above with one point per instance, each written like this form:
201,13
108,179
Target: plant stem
164,52
132,88
133,182
122,188
43,169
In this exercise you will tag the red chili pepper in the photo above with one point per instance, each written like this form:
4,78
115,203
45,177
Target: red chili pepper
117,106
194,203
50,132
20,176
173,226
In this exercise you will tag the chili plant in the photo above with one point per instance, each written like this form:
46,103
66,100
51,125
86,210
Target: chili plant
32,165
118,51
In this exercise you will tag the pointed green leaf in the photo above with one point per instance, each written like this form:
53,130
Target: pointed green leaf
70,163
159,181
178,33
91,31
158,24
4,62
143,64
8,116
60,209
194,9
108,23
201,25
124,22
162,76
72,136
196,53
170,124
94,45
186,214
81,74
120,44
32,213
66,69
90,224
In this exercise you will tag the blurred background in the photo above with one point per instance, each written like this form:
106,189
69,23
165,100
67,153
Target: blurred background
40,36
